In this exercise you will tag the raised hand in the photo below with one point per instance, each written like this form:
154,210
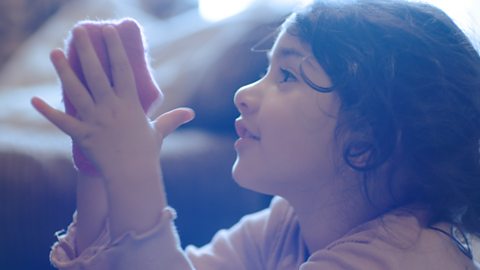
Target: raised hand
130,33
113,130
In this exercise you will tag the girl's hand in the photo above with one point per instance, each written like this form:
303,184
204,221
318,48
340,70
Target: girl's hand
113,130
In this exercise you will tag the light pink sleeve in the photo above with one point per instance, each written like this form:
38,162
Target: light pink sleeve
159,248
242,247
261,240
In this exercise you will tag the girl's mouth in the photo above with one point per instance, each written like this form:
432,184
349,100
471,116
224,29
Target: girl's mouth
243,131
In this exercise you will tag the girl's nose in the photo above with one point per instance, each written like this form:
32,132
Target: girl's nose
246,99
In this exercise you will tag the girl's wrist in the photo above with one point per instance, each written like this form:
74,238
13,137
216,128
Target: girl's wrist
136,197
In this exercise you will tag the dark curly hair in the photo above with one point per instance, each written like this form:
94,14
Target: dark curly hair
409,82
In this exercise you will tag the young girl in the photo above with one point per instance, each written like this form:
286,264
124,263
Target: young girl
366,127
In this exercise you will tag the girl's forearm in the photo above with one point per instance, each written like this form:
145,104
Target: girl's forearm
92,210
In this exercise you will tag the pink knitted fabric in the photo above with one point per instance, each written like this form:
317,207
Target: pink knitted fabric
133,42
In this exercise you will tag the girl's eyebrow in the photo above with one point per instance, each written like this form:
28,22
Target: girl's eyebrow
285,52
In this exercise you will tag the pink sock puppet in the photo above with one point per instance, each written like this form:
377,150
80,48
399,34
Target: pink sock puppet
133,42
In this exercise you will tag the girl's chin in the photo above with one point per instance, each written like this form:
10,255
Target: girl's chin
252,183
237,172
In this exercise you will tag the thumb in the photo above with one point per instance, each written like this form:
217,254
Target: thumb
171,120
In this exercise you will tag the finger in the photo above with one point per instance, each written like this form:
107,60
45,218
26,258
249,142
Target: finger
68,124
74,89
123,79
171,120
97,80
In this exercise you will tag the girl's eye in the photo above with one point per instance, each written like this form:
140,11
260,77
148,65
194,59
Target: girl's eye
287,76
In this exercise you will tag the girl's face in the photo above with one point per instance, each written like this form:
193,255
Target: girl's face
286,128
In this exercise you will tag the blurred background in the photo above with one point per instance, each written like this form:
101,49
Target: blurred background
200,55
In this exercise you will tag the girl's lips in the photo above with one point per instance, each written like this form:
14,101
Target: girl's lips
243,131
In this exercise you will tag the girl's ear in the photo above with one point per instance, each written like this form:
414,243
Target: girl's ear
363,154
360,158
360,155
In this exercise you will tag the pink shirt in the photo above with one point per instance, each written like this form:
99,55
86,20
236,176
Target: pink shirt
270,240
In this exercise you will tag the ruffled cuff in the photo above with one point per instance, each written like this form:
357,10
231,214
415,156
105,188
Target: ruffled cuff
159,245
